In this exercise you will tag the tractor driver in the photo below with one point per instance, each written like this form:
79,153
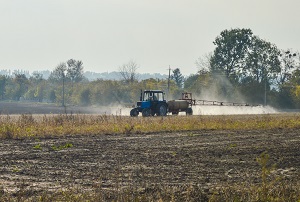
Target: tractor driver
152,98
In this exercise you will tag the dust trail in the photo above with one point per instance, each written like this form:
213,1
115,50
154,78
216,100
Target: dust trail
121,111
228,110
208,110
101,110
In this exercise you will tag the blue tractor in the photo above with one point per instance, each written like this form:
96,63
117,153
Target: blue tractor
152,102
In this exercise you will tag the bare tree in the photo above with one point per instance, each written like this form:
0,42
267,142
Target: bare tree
128,71
203,63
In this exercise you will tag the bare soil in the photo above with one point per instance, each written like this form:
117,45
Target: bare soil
208,159
47,108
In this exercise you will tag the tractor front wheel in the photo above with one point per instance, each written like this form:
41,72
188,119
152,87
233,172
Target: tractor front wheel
134,112
146,112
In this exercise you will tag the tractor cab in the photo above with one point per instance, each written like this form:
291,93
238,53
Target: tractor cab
151,102
152,95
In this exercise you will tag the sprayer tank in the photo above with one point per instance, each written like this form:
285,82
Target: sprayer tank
178,105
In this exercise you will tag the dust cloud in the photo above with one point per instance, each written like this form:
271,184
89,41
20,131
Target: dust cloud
206,110
121,111
231,95
232,110
102,110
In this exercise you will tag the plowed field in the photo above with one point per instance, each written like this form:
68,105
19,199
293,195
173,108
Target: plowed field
209,159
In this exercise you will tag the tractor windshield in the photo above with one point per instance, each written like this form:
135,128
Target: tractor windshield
153,96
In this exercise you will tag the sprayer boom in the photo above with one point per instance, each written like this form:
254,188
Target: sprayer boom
191,101
218,103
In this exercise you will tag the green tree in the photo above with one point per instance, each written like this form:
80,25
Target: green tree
85,97
232,46
229,59
36,78
75,70
52,96
292,88
40,91
3,82
199,83
21,83
37,88
289,63
177,77
262,62
72,71
59,73
250,63
262,68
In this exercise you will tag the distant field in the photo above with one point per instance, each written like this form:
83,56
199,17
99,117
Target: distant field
45,108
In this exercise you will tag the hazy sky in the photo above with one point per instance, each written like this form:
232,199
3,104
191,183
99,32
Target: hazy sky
104,34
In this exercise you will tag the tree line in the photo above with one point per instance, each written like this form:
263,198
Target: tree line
67,85
245,66
242,67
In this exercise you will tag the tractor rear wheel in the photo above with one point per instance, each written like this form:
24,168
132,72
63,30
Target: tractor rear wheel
146,112
134,112
161,110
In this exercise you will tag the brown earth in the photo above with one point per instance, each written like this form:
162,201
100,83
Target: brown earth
47,108
208,159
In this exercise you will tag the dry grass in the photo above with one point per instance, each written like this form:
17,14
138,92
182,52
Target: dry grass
25,126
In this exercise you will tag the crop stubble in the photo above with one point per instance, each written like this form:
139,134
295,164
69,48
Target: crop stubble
207,158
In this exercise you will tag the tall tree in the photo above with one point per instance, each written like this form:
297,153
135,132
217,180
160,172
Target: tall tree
250,63
262,62
177,77
71,70
231,49
59,73
3,83
21,85
289,63
36,78
75,70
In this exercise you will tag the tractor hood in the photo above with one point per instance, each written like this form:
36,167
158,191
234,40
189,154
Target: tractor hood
145,104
